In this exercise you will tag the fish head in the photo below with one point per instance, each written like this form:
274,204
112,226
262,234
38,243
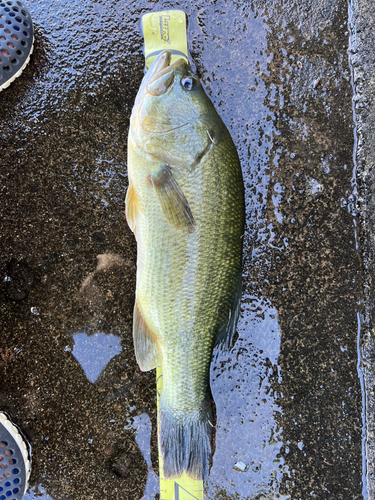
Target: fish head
173,119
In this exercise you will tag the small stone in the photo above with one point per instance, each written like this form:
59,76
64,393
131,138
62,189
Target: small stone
240,467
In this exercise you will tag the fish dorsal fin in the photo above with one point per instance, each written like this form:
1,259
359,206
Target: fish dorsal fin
131,207
172,200
146,350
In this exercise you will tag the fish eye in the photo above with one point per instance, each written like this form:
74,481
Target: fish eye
188,83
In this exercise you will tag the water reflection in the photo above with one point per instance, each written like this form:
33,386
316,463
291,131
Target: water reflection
94,352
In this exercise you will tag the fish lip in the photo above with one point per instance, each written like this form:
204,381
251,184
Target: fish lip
163,70
168,68
161,62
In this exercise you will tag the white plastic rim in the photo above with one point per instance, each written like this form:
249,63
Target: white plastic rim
22,448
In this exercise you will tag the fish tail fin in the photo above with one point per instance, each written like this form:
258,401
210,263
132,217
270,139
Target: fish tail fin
185,442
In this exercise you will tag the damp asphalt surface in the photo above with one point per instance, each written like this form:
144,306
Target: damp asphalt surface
290,393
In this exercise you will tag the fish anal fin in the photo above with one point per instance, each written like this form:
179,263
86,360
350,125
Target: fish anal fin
131,207
145,344
173,202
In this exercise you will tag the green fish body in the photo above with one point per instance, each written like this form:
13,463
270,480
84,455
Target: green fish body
185,205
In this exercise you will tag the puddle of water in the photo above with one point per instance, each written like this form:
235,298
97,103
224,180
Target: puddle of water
247,432
94,352
37,493
143,426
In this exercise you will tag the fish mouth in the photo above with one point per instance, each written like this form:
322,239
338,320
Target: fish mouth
162,73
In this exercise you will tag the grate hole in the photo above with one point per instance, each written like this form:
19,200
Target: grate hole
3,444
25,23
17,28
23,13
25,34
6,68
12,461
1,26
7,484
5,52
15,37
10,45
13,60
23,43
2,38
19,52
15,471
12,14
2,16
6,474
8,22
16,9
16,481
18,19
7,9
8,33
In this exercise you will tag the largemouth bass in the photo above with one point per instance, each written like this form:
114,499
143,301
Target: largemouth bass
185,205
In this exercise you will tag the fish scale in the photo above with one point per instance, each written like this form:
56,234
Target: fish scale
185,204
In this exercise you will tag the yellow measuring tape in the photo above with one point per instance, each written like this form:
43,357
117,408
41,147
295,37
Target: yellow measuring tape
167,31
164,31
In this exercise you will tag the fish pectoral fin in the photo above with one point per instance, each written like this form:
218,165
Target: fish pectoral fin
145,344
172,200
131,207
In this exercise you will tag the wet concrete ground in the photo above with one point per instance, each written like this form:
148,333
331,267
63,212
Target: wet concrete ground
289,394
